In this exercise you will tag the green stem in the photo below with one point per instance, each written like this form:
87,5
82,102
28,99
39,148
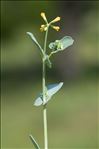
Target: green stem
44,99
45,43
45,128
44,110
52,53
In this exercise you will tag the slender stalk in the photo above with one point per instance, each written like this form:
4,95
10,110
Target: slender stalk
44,111
44,100
45,42
45,128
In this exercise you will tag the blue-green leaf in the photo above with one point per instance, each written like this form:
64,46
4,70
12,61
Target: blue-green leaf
34,142
35,41
52,89
61,44
38,101
66,42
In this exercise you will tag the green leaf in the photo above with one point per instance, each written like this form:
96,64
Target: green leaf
61,44
34,142
35,41
66,42
38,101
52,89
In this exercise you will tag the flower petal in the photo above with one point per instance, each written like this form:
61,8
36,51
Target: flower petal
43,28
43,16
57,28
55,20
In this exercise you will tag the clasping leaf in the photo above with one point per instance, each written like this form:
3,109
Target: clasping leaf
61,44
51,90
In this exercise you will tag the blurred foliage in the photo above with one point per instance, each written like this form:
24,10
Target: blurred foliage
72,114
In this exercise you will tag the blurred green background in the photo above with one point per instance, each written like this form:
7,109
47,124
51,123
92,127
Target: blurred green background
73,112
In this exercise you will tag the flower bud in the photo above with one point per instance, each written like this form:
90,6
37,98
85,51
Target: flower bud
55,20
43,16
57,28
43,28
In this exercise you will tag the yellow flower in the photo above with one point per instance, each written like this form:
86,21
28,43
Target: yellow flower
57,28
55,20
43,28
43,16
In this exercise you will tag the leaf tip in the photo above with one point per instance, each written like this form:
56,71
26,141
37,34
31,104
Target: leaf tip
30,136
61,83
34,142
28,33
38,102
72,40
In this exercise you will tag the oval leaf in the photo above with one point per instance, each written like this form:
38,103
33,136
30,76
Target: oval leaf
66,42
61,44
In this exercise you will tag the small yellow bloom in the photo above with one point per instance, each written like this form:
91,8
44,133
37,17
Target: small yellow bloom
43,28
43,16
57,28
55,20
